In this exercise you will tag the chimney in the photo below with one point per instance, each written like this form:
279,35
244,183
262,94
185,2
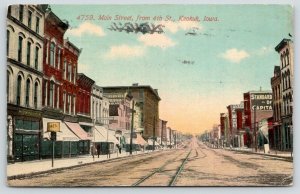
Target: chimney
156,91
135,84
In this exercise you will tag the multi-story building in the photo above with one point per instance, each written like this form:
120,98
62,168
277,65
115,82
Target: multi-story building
234,135
25,35
277,104
257,106
286,51
240,125
99,106
148,100
69,67
119,111
163,131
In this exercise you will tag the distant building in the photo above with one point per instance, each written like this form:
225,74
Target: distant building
232,116
163,131
148,100
257,106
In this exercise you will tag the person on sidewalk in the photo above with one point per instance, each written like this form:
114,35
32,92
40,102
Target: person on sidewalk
98,150
93,151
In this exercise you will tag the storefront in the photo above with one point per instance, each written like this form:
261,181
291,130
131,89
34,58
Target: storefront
23,133
66,143
84,138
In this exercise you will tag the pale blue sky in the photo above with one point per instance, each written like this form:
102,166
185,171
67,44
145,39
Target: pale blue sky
237,50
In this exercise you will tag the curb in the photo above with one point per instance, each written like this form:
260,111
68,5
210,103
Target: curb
287,158
20,176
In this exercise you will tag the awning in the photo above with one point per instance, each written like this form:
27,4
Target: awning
86,124
98,136
109,135
140,140
150,142
75,127
65,133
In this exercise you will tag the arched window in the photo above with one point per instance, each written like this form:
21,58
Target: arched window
52,53
281,59
35,97
8,85
51,94
289,78
28,53
19,87
287,57
36,57
286,80
27,93
20,45
7,42
284,59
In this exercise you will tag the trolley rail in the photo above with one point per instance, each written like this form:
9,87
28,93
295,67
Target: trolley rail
162,167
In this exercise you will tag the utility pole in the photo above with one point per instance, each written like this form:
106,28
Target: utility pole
161,133
131,129
255,135
153,134
170,138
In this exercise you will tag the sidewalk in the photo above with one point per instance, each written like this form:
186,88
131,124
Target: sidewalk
273,153
22,169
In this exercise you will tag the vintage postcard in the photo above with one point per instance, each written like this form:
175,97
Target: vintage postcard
149,95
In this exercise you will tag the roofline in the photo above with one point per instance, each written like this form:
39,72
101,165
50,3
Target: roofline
282,43
126,87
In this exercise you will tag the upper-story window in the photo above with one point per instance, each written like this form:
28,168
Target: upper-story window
19,87
21,12
37,25
52,53
287,57
70,72
35,95
51,94
28,53
65,69
58,58
7,42
74,75
36,58
29,18
20,45
27,93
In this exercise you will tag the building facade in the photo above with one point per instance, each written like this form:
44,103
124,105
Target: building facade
277,104
286,51
148,100
258,105
25,35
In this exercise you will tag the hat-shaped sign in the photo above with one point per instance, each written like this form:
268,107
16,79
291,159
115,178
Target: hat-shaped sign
53,127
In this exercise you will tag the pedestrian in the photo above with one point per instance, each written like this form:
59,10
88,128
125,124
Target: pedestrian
93,150
98,150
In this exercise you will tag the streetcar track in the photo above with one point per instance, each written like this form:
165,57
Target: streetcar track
160,169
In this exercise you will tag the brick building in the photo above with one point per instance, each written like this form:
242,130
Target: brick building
277,104
257,106
148,100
